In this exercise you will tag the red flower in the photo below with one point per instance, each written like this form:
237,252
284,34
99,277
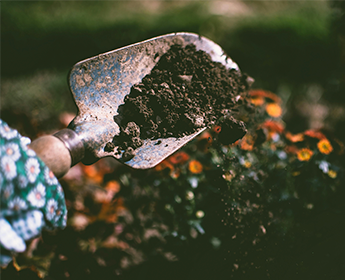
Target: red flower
178,158
217,129
206,135
273,126
257,93
291,149
294,137
314,134
164,165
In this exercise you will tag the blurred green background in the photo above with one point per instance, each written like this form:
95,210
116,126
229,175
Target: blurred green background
292,48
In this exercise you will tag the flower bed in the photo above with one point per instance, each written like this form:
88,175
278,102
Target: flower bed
247,209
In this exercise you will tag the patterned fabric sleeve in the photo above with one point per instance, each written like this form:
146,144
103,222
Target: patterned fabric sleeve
31,198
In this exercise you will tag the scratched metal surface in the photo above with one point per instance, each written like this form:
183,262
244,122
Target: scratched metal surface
99,85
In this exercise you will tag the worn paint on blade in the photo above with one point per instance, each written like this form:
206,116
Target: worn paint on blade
100,84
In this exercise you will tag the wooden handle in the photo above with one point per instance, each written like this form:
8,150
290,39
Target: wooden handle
54,153
59,151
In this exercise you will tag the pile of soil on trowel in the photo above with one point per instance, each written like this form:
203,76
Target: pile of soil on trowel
184,92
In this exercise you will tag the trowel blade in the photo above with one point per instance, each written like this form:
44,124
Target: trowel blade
99,85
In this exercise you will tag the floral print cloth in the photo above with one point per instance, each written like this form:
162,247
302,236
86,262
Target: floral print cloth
31,198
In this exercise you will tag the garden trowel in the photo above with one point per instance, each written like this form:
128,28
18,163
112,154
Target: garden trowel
99,85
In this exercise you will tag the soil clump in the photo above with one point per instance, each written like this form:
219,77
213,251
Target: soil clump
184,92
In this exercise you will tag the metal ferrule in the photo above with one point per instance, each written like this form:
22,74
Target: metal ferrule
73,143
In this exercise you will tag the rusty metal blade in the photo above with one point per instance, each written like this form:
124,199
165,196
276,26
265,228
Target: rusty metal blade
99,85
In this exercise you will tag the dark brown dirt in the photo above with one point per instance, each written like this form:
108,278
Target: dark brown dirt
184,92
231,130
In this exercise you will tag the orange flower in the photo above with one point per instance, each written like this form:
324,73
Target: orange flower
333,174
257,101
109,211
257,93
325,146
247,143
273,126
274,110
178,158
195,166
304,154
92,173
294,137
113,186
314,134
163,165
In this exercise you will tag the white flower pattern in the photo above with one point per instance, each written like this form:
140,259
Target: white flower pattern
12,151
50,177
24,142
17,204
60,191
36,197
51,209
7,132
8,167
32,169
22,181
30,152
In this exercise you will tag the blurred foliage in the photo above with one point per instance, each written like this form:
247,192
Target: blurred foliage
55,35
43,96
295,47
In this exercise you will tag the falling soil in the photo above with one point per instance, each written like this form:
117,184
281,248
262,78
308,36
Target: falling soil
184,92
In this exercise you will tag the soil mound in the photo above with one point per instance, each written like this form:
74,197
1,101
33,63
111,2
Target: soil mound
184,92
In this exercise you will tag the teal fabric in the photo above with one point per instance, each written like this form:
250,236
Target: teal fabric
32,199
